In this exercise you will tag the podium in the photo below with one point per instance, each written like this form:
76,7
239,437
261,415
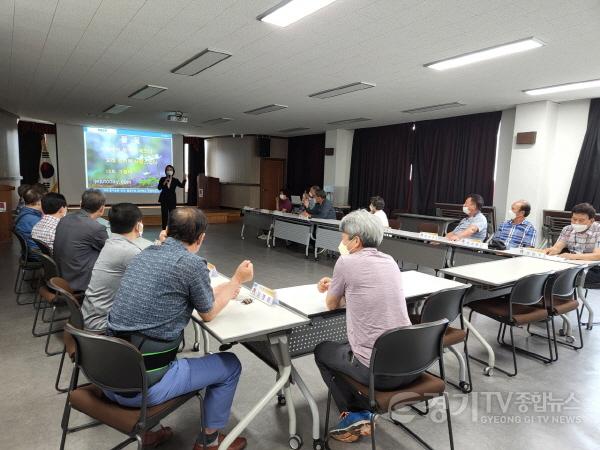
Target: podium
6,210
209,192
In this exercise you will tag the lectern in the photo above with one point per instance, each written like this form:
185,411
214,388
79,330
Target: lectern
6,209
209,192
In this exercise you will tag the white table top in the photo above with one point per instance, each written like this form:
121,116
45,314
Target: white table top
505,271
538,254
432,237
241,322
307,300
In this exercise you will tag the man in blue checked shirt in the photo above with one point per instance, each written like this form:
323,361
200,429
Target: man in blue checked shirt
517,231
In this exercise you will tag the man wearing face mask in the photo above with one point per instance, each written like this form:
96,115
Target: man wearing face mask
581,239
369,283
474,226
517,231
309,199
126,227
159,290
54,206
167,198
323,208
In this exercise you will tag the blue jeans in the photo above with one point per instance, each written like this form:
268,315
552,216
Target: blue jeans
218,373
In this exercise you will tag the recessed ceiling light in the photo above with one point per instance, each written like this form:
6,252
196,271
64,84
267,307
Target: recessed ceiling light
359,86
348,121
564,87
217,121
433,108
487,53
290,11
200,62
116,109
147,92
265,109
294,130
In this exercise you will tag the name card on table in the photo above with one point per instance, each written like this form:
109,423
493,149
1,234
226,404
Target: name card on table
212,270
426,235
538,254
264,294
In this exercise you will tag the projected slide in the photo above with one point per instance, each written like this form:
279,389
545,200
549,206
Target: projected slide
125,161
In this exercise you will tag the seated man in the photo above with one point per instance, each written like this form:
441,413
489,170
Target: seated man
54,206
581,239
474,226
126,226
79,239
308,198
371,284
376,206
160,289
29,215
517,231
323,208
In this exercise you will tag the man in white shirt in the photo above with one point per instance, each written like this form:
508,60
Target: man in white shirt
376,207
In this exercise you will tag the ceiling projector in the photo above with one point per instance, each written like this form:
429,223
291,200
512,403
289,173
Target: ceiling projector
177,117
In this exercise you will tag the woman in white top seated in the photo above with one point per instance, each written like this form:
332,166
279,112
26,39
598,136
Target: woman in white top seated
376,206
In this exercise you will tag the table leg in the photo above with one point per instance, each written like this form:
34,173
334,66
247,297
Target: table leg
280,348
491,356
312,404
242,233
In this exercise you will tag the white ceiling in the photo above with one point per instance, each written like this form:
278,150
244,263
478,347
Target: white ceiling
68,60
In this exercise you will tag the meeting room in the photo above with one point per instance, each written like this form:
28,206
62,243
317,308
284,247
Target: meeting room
370,224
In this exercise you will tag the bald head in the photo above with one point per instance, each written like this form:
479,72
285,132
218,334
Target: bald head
186,224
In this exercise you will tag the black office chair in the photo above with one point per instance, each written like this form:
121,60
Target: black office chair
426,344
46,297
448,304
116,365
27,265
517,309
75,320
561,299
43,247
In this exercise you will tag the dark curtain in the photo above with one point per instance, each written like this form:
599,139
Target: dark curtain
585,186
381,158
195,164
30,148
454,157
306,162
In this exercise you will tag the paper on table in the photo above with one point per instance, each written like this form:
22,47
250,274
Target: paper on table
307,299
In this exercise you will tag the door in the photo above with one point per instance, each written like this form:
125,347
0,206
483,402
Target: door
271,181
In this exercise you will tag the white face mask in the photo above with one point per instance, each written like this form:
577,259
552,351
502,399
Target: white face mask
282,197
170,173
141,228
466,210
511,214
343,249
579,227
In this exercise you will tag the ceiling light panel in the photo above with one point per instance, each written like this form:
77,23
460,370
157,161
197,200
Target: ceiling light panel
341,90
147,92
217,121
294,130
486,54
290,11
348,121
265,109
564,87
116,109
433,108
200,62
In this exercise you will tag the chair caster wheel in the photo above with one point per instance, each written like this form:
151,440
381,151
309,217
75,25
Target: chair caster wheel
196,347
488,371
570,339
465,387
318,444
295,442
281,402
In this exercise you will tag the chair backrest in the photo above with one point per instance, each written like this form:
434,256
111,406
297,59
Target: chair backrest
49,266
76,316
529,290
395,223
109,362
59,284
564,282
42,246
446,304
408,350
23,245
428,227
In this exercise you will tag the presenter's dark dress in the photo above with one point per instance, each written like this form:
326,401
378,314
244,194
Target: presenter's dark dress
167,198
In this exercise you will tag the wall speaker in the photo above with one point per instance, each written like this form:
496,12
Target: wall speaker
526,138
